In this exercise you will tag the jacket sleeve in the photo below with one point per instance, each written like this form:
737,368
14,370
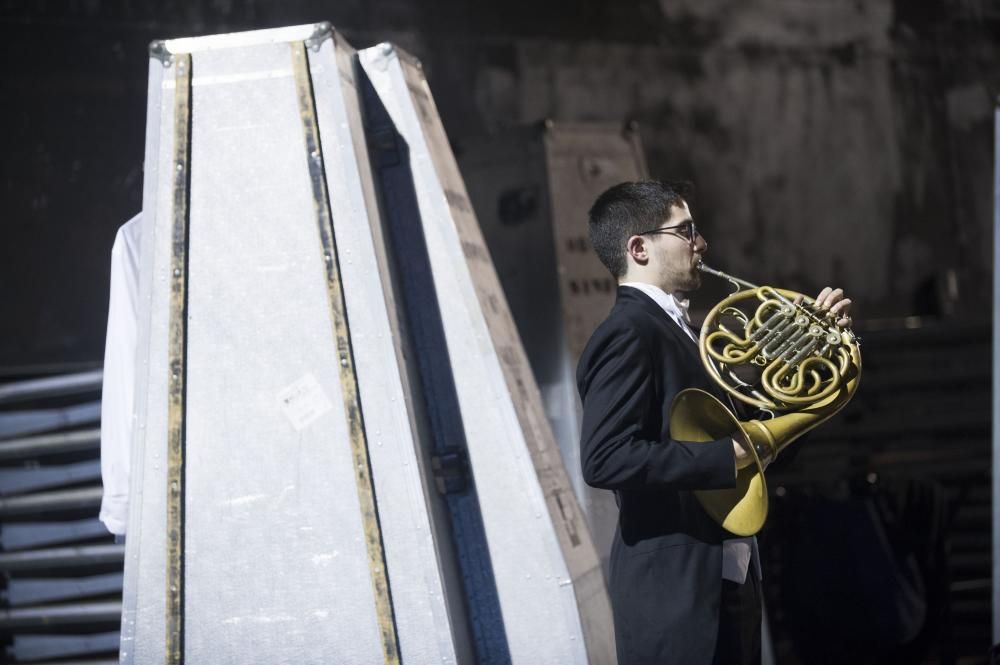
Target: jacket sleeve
617,389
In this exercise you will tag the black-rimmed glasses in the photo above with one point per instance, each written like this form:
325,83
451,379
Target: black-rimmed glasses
686,230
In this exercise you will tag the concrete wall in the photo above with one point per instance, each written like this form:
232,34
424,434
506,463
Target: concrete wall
830,142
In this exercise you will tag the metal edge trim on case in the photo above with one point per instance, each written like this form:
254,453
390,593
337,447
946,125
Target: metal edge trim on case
290,34
348,376
177,363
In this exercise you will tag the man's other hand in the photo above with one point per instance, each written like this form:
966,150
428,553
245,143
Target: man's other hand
741,447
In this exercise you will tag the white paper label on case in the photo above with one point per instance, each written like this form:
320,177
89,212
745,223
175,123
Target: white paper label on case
304,402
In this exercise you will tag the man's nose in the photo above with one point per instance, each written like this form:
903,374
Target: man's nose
700,244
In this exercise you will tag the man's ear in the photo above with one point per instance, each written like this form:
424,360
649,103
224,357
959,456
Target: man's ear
636,248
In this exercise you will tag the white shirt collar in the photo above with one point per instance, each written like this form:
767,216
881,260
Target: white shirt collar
676,308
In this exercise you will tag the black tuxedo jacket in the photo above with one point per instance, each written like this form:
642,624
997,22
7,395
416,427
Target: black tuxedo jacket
666,557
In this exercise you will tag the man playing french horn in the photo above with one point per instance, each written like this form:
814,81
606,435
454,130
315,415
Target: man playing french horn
684,587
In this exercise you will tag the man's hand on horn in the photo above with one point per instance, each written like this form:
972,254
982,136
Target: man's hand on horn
832,303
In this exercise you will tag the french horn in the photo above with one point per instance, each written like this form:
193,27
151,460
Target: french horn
808,367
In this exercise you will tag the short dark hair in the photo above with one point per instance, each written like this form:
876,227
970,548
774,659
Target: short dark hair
626,210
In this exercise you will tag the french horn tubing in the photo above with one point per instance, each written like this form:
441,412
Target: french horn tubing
809,368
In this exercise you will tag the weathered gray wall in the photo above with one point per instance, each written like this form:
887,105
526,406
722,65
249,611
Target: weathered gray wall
830,141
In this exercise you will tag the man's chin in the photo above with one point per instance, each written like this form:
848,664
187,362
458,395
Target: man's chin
692,283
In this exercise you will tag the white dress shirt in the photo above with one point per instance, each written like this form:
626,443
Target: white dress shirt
117,394
736,552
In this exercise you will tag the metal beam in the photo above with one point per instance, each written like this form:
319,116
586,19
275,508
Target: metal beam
79,614
61,557
33,479
53,386
30,447
22,592
36,647
37,421
22,535
37,504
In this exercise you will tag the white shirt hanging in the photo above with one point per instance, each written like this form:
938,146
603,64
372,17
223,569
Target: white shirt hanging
118,391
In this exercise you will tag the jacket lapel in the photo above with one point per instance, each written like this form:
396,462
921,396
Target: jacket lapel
629,294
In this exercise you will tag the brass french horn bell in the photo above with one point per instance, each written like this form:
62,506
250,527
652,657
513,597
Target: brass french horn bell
809,369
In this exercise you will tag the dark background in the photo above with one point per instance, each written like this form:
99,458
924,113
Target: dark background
830,141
